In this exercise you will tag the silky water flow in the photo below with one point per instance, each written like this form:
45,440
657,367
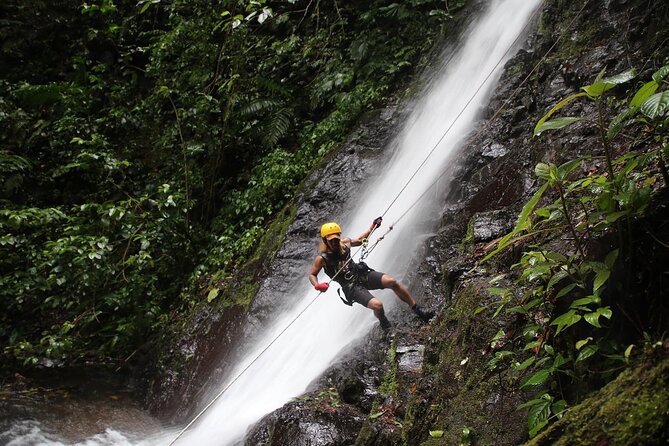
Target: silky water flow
314,341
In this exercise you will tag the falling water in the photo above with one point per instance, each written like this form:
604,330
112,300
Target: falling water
313,342
442,117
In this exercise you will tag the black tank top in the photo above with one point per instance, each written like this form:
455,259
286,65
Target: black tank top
335,261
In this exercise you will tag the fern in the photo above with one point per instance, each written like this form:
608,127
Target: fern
277,127
258,107
13,163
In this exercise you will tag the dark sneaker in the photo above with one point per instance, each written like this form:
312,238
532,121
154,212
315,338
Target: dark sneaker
423,314
385,323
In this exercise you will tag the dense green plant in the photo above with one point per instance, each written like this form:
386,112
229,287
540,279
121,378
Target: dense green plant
148,144
562,296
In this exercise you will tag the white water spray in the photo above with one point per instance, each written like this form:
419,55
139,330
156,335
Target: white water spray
304,351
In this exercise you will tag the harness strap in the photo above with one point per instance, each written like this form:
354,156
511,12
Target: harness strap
331,268
345,298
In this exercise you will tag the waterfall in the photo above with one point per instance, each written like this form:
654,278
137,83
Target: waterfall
314,341
316,338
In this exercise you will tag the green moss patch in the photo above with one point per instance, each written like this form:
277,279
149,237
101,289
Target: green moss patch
631,410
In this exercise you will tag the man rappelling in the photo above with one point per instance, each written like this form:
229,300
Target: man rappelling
356,279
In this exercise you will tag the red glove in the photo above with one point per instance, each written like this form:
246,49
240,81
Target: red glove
376,223
322,286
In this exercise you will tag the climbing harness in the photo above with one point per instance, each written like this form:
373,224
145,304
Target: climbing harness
364,249
364,252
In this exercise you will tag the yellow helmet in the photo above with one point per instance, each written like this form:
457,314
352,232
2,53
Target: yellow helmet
330,230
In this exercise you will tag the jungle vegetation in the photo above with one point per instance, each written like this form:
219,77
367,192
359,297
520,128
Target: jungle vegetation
146,145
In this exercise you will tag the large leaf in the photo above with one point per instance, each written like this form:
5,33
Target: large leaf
525,364
620,122
558,276
555,108
566,290
643,94
523,219
559,361
601,278
558,408
565,169
579,303
611,258
537,378
555,124
621,78
593,318
599,87
542,170
566,320
537,416
583,342
656,105
660,74
587,352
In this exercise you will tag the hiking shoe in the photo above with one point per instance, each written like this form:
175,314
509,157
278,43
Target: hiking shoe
385,323
423,314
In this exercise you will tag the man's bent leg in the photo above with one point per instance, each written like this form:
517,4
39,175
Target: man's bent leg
403,293
377,306
399,289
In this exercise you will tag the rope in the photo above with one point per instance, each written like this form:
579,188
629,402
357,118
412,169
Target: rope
390,228
211,403
241,373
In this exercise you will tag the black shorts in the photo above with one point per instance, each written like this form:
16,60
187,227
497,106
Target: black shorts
359,292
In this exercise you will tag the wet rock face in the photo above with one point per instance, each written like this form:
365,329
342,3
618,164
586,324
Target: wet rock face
314,421
492,224
321,200
208,341
213,339
410,358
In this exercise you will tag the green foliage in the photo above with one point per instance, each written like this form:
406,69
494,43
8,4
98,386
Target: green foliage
331,396
230,104
564,304
91,278
540,410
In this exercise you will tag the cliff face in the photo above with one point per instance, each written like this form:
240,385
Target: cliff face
433,384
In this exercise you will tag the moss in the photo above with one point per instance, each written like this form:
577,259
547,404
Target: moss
463,394
272,239
389,385
468,241
631,410
241,290
366,435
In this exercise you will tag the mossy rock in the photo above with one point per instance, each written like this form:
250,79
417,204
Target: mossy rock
631,410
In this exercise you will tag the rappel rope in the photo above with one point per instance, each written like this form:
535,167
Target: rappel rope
263,350
367,250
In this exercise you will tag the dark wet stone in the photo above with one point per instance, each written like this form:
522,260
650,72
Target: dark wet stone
314,421
410,358
494,150
493,224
